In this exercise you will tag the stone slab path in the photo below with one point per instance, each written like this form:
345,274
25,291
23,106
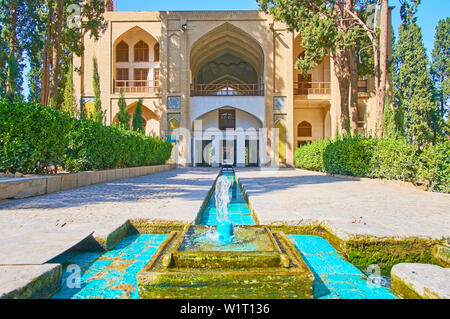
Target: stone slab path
56,222
427,281
349,207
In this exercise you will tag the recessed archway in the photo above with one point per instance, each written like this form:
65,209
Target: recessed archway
136,62
226,57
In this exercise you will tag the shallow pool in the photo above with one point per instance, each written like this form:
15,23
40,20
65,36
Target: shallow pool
112,274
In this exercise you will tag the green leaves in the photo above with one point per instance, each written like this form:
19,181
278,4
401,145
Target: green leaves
434,167
123,116
138,124
391,158
32,137
413,87
440,68
36,139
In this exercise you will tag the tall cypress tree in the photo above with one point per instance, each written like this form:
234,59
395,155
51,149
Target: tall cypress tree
123,116
440,68
68,105
137,117
97,114
413,88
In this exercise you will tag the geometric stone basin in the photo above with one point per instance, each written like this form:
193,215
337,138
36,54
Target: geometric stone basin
252,247
265,265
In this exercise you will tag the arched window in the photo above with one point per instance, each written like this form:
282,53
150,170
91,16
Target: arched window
304,129
141,52
122,52
156,52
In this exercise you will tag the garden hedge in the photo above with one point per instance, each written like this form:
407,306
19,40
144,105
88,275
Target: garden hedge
390,158
39,139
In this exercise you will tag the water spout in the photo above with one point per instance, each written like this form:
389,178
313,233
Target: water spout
222,197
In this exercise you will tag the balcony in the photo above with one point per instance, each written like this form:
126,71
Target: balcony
135,86
227,89
312,88
362,86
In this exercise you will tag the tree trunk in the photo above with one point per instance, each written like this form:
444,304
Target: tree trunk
341,68
57,51
353,90
381,91
12,48
47,57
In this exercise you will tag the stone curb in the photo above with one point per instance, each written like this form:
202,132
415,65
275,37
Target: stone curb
30,281
35,186
420,281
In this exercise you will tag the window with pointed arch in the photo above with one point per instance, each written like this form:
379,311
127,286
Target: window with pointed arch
122,52
156,52
141,52
304,129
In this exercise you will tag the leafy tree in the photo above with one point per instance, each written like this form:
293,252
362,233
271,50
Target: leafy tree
137,117
68,105
440,68
123,116
342,29
59,39
97,115
413,88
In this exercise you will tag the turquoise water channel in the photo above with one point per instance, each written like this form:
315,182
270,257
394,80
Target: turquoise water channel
112,274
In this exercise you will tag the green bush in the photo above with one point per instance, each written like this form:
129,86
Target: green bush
434,167
32,137
390,158
394,158
349,156
311,156
94,146
31,133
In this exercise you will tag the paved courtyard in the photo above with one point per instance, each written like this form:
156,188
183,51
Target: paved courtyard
348,206
35,230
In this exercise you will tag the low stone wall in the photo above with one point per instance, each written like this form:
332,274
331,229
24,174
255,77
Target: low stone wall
35,186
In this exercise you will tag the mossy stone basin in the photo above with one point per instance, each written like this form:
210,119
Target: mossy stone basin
270,268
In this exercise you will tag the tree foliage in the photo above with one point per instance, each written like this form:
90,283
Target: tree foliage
69,105
344,30
137,117
440,68
413,87
123,116
97,114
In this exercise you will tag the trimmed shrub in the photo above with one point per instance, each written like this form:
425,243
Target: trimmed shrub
349,156
94,146
434,167
394,158
311,156
390,158
34,138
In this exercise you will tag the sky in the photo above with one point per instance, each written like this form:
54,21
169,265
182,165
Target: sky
429,14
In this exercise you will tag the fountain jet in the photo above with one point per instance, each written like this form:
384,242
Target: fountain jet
222,197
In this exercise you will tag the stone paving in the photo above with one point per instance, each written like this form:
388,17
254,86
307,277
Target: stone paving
348,207
69,215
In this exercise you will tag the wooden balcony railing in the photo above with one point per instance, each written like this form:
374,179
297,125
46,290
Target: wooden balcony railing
311,88
362,86
135,86
227,89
